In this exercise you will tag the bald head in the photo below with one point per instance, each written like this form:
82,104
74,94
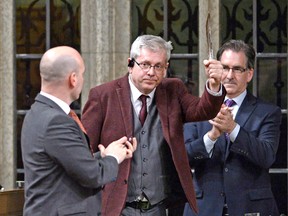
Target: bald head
58,62
61,70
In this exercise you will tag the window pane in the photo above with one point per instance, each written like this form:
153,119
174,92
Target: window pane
187,71
146,18
272,26
30,26
28,82
272,81
65,23
236,20
182,26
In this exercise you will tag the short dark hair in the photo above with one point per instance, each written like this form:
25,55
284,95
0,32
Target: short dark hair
239,46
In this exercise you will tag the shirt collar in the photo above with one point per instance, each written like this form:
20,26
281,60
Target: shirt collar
239,99
64,106
135,93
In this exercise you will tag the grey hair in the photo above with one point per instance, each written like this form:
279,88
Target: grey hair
151,42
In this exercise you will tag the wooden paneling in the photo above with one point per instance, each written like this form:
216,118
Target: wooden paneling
11,202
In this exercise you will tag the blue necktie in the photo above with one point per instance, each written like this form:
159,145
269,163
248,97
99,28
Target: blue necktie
230,102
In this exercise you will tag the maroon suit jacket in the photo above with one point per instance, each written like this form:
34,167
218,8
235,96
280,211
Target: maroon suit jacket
108,115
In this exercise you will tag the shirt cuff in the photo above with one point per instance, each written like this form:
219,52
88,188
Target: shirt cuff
219,93
234,133
209,144
112,155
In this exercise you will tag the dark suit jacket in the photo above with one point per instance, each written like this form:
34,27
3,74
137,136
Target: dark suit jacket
61,176
108,115
241,171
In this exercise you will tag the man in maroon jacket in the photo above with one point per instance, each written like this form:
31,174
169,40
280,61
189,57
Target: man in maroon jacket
158,176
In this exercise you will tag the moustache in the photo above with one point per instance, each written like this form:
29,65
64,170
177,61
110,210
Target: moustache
229,83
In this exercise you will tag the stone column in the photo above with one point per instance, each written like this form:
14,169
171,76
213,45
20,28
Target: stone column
105,41
205,7
7,95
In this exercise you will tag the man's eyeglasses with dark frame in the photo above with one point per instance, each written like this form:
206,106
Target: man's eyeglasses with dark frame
236,70
146,67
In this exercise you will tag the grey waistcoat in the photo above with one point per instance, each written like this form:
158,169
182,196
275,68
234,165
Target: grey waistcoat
152,162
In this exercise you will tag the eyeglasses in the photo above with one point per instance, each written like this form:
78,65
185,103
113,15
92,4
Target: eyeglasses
236,70
146,67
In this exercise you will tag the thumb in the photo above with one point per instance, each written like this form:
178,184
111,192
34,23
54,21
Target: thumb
206,62
101,149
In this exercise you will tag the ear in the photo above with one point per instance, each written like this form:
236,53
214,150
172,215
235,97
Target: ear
72,79
250,75
165,72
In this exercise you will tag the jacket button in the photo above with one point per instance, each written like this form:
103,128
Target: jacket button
226,169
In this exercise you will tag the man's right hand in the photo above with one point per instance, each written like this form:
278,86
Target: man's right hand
214,71
121,149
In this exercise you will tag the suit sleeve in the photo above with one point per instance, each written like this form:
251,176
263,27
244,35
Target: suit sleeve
258,139
65,144
194,144
199,109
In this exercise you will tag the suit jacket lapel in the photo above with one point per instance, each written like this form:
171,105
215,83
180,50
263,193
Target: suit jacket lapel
245,111
162,107
126,111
